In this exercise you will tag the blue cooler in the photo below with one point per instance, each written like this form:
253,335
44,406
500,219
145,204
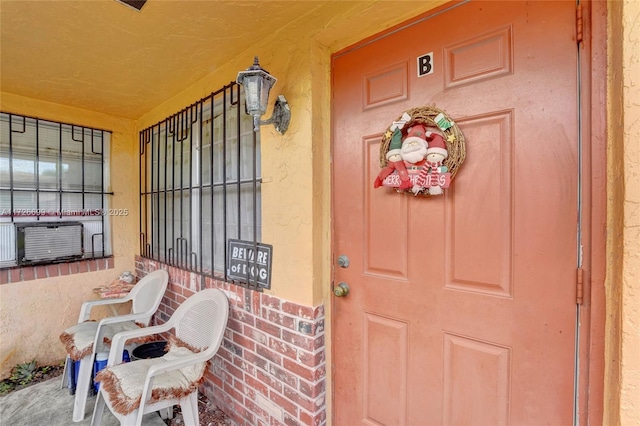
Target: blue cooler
72,368
99,364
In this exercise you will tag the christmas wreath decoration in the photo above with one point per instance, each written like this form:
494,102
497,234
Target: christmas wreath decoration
439,147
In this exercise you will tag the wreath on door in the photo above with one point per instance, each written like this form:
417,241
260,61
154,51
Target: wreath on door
421,152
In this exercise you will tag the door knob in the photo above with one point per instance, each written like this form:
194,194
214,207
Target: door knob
341,290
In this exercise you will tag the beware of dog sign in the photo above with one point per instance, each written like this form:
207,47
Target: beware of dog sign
249,263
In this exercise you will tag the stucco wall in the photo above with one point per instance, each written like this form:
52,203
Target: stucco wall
622,347
630,365
615,220
34,313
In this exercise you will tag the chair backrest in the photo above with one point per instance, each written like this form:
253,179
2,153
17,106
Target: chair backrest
147,294
200,320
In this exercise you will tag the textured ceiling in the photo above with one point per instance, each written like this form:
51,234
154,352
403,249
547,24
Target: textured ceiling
103,56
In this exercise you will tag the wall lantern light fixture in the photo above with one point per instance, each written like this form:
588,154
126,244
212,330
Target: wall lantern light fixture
257,83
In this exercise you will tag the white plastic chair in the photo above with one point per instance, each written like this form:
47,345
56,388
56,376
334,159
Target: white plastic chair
136,388
86,338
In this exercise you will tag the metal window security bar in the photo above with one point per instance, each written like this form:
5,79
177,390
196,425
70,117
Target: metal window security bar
200,185
53,173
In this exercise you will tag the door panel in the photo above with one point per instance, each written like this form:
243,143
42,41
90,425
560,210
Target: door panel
462,306
485,394
486,190
385,389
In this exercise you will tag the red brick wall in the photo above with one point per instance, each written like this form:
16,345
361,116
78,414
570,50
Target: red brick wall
270,369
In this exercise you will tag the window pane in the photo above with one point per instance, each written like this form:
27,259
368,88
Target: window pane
5,203
93,237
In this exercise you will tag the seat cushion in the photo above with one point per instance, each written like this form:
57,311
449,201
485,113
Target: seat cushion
78,340
123,383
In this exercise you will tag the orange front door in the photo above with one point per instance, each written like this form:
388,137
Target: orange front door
462,307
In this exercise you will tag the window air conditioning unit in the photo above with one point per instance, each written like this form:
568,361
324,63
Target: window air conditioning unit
48,242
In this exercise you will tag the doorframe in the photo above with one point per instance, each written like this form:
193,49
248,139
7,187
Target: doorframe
593,90
594,65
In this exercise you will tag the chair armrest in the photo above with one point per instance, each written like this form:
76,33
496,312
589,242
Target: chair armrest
118,341
85,309
122,318
176,364
166,367
114,320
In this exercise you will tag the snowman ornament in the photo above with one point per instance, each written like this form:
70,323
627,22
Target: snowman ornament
433,169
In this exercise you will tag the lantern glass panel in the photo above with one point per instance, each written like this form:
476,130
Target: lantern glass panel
252,94
265,88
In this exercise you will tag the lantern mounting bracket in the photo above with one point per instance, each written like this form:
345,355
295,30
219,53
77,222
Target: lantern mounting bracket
280,116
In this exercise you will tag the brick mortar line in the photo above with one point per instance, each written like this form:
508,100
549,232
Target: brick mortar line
268,415
244,397
268,362
282,367
284,314
288,315
279,339
320,410
271,336
254,351
243,381
253,376
257,405
284,384
303,395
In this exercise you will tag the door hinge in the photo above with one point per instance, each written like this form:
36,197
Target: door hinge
579,24
580,286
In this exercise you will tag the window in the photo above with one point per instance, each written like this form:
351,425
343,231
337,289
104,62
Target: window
52,191
200,183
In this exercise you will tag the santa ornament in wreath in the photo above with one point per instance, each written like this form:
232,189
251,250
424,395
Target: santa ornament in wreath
421,152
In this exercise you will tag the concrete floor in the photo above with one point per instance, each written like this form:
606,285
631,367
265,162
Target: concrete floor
45,404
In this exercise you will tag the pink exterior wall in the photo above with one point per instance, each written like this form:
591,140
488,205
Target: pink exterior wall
270,368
